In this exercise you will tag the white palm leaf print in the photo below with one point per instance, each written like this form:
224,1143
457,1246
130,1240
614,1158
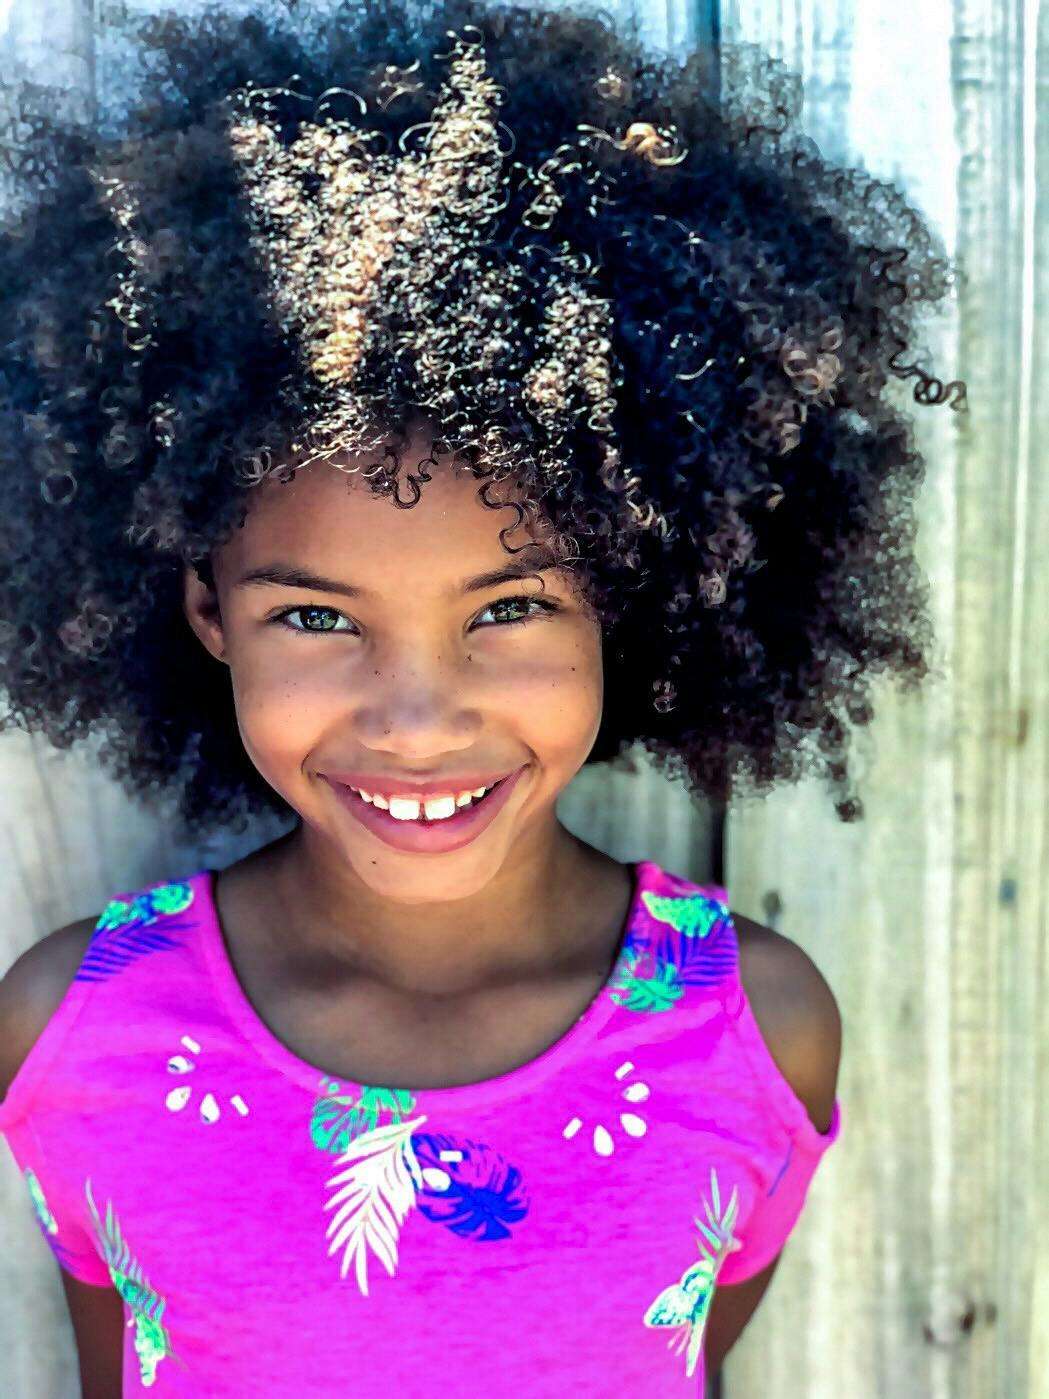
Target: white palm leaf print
376,1191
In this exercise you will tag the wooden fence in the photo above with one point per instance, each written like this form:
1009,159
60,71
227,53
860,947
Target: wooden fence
920,1269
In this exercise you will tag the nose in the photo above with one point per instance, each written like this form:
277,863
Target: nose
418,709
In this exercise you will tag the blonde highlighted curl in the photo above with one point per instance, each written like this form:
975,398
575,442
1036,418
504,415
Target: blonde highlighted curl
625,280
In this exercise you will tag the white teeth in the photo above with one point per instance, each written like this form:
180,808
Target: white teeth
436,809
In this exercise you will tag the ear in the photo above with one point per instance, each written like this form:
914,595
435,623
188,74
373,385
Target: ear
200,603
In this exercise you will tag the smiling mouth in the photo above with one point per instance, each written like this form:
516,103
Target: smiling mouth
415,832
411,811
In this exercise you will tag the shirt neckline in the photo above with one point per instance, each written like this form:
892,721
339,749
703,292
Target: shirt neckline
514,1083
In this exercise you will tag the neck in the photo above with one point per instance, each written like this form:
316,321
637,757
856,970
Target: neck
529,922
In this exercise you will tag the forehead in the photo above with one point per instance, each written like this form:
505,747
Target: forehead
328,514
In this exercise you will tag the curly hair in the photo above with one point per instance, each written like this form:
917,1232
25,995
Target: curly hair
624,278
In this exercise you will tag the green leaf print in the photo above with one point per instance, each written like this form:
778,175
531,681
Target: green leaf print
173,897
152,1342
694,914
36,1194
116,913
648,993
337,1120
685,1305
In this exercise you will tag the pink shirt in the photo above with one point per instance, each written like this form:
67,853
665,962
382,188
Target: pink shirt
274,1231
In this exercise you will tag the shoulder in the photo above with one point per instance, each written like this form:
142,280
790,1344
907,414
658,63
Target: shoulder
32,989
796,1012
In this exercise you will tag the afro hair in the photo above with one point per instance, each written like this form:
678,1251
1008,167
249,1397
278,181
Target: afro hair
639,289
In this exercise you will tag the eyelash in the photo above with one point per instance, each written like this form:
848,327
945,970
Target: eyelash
543,604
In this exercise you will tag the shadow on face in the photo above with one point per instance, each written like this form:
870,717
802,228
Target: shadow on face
402,643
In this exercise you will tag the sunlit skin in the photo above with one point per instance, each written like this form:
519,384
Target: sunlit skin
412,677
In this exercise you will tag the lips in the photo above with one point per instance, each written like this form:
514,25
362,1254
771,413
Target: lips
426,837
406,787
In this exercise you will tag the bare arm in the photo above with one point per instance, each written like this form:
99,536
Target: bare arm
29,994
801,1024
97,1314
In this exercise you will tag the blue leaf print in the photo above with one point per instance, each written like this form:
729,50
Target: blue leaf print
125,930
63,1257
686,946
699,961
65,1260
695,943
478,1196
781,1173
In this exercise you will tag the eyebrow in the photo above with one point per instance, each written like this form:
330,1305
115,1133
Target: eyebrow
284,575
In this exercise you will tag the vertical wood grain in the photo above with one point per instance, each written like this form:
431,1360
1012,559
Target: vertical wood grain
920,1266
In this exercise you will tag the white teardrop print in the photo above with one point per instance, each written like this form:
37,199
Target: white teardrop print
603,1143
632,1123
435,1178
176,1100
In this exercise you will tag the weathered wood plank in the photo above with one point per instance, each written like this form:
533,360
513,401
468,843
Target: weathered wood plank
920,1267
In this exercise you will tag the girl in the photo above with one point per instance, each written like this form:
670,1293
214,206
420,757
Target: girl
401,412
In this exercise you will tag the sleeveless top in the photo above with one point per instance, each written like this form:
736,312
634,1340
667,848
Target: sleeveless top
274,1230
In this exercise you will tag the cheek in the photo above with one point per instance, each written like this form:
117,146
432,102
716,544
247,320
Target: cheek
572,668
280,704
553,687
288,674
558,686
